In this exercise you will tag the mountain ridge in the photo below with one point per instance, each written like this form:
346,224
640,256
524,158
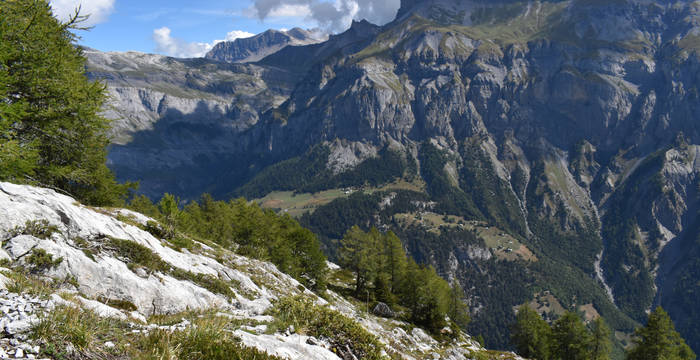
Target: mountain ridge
257,47
565,124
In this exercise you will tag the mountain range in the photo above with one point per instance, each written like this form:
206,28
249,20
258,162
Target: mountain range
541,152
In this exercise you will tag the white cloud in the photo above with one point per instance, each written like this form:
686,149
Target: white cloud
287,10
98,10
172,46
333,15
236,34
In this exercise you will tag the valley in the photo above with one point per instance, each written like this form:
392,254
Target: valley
517,147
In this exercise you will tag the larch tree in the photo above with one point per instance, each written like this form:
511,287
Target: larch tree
659,340
601,345
51,130
531,334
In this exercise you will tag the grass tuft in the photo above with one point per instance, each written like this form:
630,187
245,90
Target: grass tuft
323,322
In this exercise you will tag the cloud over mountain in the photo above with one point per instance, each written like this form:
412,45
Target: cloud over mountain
333,16
173,46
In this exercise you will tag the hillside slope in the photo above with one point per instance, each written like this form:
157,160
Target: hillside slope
98,261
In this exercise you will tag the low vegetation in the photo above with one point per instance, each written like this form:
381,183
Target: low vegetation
87,334
141,256
343,333
40,229
40,260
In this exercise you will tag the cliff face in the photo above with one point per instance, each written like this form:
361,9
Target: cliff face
580,116
175,118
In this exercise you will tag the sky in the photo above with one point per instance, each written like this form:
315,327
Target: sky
183,28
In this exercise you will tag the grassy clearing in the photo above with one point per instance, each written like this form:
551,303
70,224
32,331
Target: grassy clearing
297,204
504,246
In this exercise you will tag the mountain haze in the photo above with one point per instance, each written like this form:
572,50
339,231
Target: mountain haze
541,152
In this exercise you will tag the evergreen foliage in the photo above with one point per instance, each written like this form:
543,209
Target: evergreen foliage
491,194
451,199
530,335
51,133
245,228
659,340
567,339
601,346
634,290
309,173
383,271
570,339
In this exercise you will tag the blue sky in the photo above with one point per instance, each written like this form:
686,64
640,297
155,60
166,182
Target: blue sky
189,28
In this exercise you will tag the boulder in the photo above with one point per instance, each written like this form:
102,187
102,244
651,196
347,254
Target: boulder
383,310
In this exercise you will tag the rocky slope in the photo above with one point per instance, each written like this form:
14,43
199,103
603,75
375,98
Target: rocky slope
259,46
88,270
570,126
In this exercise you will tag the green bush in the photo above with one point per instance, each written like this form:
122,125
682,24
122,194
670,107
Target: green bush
208,282
138,254
40,229
40,260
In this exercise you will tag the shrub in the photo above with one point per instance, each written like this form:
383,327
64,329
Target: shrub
138,255
40,260
118,303
40,229
208,282
155,229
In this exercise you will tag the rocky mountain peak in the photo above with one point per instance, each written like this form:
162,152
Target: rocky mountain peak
259,46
